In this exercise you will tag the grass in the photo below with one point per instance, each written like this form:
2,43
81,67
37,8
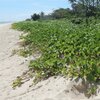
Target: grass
67,49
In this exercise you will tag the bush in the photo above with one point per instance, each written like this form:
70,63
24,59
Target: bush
76,20
67,49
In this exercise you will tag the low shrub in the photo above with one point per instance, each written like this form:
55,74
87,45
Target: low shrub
67,49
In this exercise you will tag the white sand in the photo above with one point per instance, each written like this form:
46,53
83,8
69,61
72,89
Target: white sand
13,66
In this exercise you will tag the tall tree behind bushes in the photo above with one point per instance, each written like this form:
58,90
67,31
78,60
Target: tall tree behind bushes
42,15
81,9
89,7
61,13
35,17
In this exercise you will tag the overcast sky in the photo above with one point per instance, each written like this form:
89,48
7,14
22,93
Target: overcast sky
14,10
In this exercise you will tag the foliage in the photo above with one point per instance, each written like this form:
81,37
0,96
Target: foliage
67,49
17,83
28,19
42,15
61,13
35,17
24,53
92,91
86,8
77,20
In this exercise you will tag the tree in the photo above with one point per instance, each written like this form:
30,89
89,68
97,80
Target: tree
28,19
61,13
42,15
78,9
35,17
90,7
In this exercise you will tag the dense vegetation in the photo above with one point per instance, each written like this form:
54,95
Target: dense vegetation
67,49
79,8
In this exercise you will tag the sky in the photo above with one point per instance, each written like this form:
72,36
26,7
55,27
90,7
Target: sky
16,10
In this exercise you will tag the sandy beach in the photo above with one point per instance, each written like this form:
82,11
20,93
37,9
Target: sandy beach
12,66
